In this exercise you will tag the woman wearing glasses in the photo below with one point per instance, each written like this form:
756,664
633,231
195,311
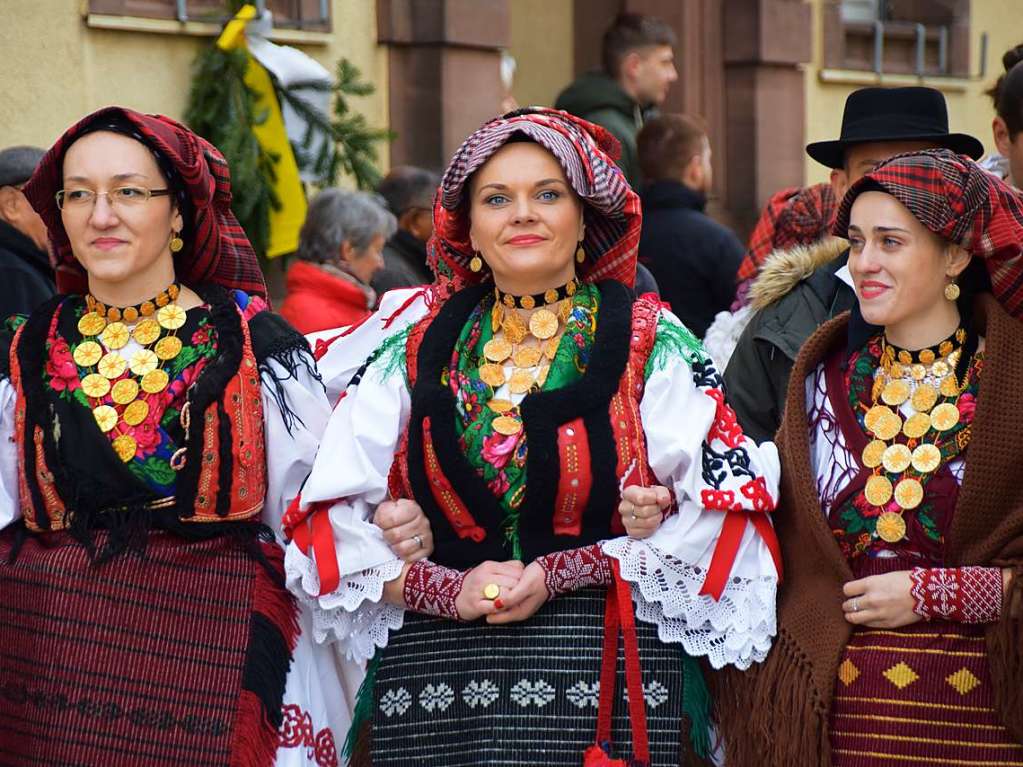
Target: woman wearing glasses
143,615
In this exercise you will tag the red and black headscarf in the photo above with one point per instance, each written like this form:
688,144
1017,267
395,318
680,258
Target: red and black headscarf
216,247
586,152
953,197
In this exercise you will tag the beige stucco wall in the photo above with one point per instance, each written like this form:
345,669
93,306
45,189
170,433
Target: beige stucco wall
541,42
57,69
970,111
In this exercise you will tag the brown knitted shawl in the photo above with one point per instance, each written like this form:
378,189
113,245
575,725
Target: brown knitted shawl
776,714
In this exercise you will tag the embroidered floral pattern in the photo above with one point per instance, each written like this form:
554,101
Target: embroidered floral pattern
437,697
297,732
583,695
395,701
480,694
526,693
157,436
963,594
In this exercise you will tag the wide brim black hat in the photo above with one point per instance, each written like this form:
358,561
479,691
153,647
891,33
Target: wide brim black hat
894,114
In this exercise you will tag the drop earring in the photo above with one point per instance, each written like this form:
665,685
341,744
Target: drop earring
476,264
580,254
176,243
952,291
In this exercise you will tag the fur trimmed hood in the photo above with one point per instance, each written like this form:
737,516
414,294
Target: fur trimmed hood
784,269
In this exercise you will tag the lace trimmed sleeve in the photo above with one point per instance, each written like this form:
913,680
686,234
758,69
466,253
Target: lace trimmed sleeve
337,561
708,577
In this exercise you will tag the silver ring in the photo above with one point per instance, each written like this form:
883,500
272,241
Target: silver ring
856,605
418,539
633,517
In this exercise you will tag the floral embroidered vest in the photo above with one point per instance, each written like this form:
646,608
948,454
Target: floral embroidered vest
221,464
585,440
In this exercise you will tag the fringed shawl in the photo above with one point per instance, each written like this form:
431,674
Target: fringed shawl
777,713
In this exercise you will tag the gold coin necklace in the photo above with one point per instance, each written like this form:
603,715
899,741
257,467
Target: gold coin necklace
530,347
115,398
916,381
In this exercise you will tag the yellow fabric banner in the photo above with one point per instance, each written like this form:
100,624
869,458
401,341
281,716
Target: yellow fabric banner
287,218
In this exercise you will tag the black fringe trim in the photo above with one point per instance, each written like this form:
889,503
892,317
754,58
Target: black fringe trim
543,412
274,339
267,661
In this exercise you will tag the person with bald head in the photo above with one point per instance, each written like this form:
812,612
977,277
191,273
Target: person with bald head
26,277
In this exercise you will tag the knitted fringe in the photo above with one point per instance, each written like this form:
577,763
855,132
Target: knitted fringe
769,715
254,742
363,712
1005,657
696,705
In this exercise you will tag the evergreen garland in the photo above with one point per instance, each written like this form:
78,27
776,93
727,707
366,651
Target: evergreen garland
223,110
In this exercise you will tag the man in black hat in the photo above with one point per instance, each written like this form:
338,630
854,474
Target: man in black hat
26,278
798,290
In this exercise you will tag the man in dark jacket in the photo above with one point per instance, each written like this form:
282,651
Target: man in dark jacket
798,291
638,68
26,277
693,258
408,192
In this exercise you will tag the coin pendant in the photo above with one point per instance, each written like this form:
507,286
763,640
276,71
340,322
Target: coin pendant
106,417
940,369
916,425
507,425
526,357
115,335
124,391
888,426
497,349
873,453
550,348
905,357
168,348
927,356
926,458
896,459
95,386
146,332
945,416
171,317
155,381
909,493
875,415
895,392
521,381
543,324
949,387
500,405
878,490
896,371
527,302
492,375
125,447
550,296
918,372
891,527
91,324
924,398
136,412
87,354
143,361
111,365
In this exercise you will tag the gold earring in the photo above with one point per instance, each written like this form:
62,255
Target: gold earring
580,254
476,264
952,291
176,243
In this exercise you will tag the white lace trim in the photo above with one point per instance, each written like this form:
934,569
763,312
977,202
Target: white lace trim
353,615
734,630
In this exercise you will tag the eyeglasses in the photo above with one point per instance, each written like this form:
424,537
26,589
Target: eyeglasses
122,197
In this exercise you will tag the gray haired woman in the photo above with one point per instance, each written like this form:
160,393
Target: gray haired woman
339,251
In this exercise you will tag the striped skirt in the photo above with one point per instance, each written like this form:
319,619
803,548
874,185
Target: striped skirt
470,694
918,695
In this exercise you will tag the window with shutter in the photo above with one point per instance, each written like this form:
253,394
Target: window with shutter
312,15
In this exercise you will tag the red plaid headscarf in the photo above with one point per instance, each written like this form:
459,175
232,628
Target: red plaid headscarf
586,152
950,195
216,248
793,216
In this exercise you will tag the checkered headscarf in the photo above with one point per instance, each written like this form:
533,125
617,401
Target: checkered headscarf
953,197
794,216
586,152
216,248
